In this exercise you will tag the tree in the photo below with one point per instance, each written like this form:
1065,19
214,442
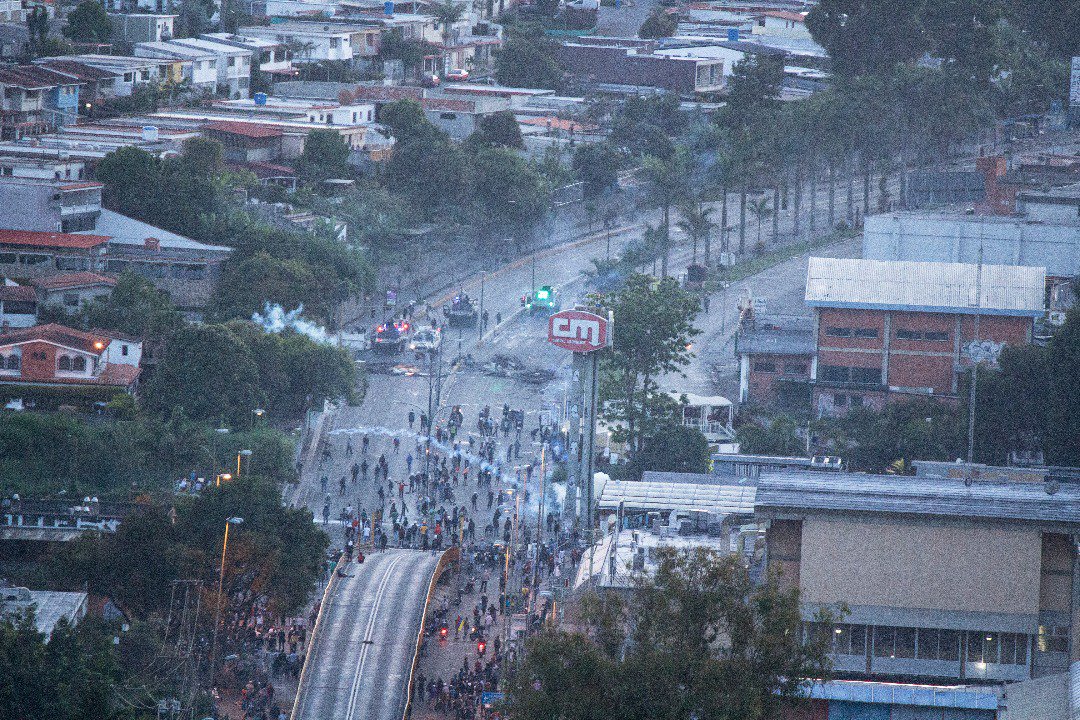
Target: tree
762,211
667,185
69,676
697,223
249,282
447,13
508,195
673,447
429,171
596,166
655,321
499,130
407,121
700,640
88,23
326,155
394,46
134,307
132,178
206,372
658,24
869,36
37,25
528,59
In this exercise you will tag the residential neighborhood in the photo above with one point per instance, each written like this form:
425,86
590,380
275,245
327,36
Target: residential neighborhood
530,359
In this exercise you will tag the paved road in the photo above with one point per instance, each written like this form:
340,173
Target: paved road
359,663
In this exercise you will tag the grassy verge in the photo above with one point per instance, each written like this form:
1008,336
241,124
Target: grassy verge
764,261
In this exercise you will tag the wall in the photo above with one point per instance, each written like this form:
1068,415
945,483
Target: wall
28,207
1045,698
946,238
762,384
917,566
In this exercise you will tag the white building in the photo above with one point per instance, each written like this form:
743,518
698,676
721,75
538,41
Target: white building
12,11
142,27
308,42
781,23
200,66
313,111
273,57
234,63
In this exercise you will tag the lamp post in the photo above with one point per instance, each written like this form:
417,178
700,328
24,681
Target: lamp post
218,432
240,455
220,600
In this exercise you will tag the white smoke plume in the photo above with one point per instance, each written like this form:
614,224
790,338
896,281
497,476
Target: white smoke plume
275,319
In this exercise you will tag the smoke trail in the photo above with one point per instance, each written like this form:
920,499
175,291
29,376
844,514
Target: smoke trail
275,319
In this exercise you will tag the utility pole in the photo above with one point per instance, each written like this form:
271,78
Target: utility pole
481,323
974,371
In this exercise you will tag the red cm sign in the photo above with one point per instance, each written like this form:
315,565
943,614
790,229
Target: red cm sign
578,330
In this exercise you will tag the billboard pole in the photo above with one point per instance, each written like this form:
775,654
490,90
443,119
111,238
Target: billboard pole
583,332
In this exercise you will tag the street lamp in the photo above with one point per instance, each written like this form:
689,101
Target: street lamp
218,432
239,456
220,601
222,476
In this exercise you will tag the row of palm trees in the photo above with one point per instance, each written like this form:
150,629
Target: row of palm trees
855,131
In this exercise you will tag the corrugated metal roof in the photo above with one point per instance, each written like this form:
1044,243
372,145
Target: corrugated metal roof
678,496
807,490
929,286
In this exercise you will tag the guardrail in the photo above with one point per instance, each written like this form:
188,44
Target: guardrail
451,554
313,634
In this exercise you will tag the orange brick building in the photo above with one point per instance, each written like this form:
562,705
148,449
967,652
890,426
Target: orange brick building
885,328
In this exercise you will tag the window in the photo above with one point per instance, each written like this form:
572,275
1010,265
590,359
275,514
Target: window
949,645
849,639
34,259
13,361
78,364
71,299
1053,639
447,116
764,367
905,643
64,363
847,332
927,335
853,375
16,307
884,640
928,644
1013,649
794,368
8,258
232,62
129,77
124,350
982,647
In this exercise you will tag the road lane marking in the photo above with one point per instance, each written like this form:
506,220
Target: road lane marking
368,632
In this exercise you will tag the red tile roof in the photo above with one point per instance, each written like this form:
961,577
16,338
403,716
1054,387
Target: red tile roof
448,105
251,130
81,185
555,123
51,240
785,15
57,335
17,293
33,77
82,71
73,280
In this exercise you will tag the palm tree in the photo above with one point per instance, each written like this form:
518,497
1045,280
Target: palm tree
762,211
667,185
697,224
446,14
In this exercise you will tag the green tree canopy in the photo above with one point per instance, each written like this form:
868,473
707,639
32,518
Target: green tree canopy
498,130
658,24
326,155
88,23
407,121
596,166
699,640
655,328
528,59
508,194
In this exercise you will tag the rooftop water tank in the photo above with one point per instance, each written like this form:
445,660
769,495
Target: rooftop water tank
388,7
260,98
150,133
733,34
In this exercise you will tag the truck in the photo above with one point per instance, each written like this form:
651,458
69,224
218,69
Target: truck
543,301
391,336
426,340
460,311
